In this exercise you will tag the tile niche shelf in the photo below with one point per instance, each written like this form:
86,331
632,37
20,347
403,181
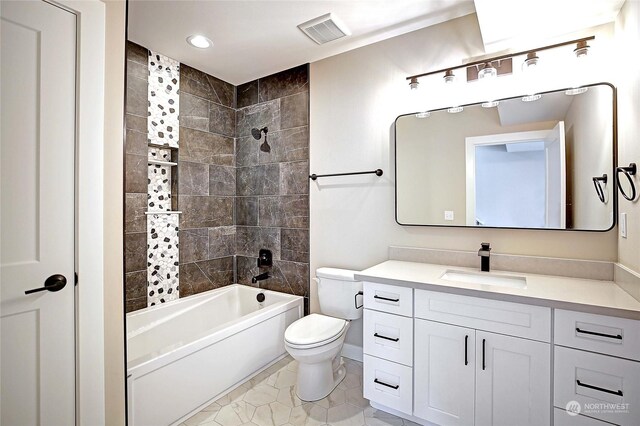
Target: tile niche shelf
163,163
164,212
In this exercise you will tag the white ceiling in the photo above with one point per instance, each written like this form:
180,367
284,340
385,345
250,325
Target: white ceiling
253,39
256,38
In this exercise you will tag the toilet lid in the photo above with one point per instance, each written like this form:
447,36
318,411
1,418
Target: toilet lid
314,329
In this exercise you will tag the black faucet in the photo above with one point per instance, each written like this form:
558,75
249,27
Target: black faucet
260,277
485,253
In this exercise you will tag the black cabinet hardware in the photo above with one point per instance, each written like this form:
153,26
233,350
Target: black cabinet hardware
483,354
386,384
386,338
594,333
55,282
385,298
466,355
585,385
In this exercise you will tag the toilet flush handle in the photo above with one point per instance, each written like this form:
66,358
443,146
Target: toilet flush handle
355,299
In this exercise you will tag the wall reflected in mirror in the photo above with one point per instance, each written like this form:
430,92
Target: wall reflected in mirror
538,164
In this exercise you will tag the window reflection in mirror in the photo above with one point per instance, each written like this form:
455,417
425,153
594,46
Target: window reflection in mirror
517,165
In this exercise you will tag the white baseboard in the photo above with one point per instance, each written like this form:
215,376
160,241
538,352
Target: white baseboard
352,352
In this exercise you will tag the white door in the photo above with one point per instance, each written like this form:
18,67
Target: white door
37,213
444,371
513,381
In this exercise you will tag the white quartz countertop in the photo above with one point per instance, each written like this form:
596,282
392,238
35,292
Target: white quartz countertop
598,297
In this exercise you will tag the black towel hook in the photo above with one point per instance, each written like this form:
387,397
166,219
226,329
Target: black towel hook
598,186
628,171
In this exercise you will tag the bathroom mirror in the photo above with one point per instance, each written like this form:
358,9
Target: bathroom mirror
546,163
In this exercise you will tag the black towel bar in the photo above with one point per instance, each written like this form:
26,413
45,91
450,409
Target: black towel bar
377,172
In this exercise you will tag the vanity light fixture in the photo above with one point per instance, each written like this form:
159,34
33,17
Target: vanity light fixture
575,91
414,83
501,65
582,49
531,62
531,98
199,41
490,104
423,114
455,109
449,77
487,71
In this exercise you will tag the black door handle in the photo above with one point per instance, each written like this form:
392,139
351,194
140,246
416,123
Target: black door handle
594,333
55,282
466,344
598,388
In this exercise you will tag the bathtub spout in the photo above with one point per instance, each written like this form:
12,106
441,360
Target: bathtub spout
260,277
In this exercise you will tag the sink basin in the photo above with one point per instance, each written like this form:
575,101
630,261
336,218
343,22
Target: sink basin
485,278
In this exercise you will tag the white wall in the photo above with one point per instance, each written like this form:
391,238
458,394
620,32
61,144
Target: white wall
627,34
354,100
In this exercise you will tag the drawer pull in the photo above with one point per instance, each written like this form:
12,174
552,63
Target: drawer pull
375,296
466,356
385,384
484,366
594,333
584,385
386,338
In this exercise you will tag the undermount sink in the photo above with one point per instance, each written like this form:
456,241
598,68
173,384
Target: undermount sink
485,278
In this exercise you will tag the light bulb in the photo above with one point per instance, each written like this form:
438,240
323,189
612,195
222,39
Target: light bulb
423,114
531,98
413,84
489,71
199,41
449,77
490,104
575,91
455,109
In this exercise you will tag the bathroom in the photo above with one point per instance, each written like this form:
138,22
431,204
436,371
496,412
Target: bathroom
225,267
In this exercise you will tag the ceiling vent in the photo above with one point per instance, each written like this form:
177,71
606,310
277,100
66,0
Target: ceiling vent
324,29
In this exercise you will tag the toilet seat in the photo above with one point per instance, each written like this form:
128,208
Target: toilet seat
314,330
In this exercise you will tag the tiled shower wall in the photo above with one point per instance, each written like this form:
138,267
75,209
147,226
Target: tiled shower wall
234,198
206,182
272,189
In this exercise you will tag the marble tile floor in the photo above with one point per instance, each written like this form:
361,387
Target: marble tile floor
269,399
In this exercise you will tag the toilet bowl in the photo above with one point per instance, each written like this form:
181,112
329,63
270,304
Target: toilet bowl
316,340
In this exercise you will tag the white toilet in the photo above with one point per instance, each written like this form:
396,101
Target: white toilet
315,341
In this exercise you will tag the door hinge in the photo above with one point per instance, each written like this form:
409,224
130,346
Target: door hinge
75,276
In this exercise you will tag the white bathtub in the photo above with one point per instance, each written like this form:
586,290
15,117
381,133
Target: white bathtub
187,353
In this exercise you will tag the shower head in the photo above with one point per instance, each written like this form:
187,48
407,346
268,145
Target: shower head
257,133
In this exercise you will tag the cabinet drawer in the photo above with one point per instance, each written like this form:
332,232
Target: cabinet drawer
606,388
514,319
388,336
562,418
388,383
388,298
598,333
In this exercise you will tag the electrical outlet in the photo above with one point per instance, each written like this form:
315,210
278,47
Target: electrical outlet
448,215
623,225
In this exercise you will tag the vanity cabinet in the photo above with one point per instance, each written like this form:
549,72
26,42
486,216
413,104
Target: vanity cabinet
464,376
448,359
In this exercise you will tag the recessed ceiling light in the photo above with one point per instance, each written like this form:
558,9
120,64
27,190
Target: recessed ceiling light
199,41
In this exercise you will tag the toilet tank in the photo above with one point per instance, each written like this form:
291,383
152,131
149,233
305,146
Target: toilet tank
337,290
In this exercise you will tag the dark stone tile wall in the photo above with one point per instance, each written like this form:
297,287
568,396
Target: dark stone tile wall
135,182
234,198
272,189
206,182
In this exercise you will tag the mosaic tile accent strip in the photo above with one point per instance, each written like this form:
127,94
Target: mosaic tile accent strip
164,99
159,192
162,258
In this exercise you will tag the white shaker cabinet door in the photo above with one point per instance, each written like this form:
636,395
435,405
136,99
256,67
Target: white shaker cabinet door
444,373
513,381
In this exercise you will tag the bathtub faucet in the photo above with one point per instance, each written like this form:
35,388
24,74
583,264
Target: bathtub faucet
260,277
